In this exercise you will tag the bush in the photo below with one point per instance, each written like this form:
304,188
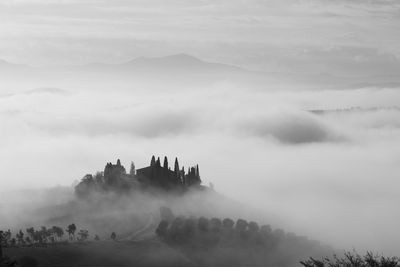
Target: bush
354,260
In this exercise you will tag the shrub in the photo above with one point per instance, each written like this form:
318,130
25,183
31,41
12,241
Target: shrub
354,260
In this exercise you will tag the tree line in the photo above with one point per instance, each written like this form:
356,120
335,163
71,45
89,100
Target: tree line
43,235
228,242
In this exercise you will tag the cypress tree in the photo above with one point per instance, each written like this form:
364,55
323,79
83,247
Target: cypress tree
133,169
176,169
165,162
158,163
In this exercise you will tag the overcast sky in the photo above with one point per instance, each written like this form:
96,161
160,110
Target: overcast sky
294,35
257,142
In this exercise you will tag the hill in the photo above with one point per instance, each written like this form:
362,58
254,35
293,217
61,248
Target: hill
103,254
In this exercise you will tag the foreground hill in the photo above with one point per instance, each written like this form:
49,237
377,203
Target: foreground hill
102,254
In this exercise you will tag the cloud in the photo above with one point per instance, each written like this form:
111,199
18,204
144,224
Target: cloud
365,118
76,32
290,128
261,147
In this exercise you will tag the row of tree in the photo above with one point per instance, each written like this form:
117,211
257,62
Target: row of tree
43,235
225,242
211,232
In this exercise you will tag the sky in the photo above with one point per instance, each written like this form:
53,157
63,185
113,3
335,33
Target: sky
332,174
289,35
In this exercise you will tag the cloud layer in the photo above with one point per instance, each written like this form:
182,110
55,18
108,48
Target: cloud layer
341,37
254,138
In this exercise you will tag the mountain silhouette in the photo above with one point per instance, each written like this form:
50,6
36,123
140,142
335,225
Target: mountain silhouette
173,63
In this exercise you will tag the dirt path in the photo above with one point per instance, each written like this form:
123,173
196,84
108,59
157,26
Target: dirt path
147,229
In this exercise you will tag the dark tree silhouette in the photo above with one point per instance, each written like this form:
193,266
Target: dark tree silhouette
20,237
41,235
158,162
162,228
1,246
165,162
176,167
241,225
71,230
83,235
354,260
113,236
58,231
132,170
253,227
175,233
215,224
31,233
189,229
203,224
228,223
266,230
6,238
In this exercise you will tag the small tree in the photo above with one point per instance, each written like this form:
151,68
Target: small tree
1,246
228,223
71,231
83,235
354,260
58,232
162,229
113,236
28,240
132,170
20,237
203,224
31,233
44,234
5,238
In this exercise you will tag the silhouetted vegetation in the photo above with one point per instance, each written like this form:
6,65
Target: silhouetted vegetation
216,242
113,236
156,176
353,260
41,236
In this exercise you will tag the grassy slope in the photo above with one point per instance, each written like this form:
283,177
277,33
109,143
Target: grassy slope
103,254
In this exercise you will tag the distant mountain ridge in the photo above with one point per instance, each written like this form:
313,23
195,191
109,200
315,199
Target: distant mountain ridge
176,62
185,69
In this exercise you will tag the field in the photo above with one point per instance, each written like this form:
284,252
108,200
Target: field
103,254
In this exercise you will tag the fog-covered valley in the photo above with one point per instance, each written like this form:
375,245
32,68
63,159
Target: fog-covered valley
300,169
290,108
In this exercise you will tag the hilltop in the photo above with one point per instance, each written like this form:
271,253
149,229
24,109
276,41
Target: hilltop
115,178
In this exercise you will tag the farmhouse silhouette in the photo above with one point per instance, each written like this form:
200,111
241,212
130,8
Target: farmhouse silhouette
155,176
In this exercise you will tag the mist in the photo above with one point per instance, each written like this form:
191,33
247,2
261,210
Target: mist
301,170
290,108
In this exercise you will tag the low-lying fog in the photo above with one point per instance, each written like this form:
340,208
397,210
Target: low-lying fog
331,175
